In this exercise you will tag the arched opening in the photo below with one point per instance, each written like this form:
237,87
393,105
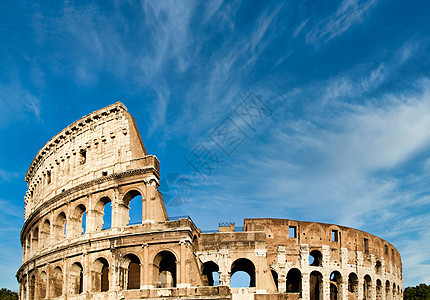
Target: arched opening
367,287
352,286
394,290
57,282
60,227
133,199
315,258
45,233
210,274
79,217
315,286
28,246
242,273
101,278
24,288
379,290
76,278
378,268
387,290
335,286
31,287
275,278
294,281
103,214
35,240
132,271
43,284
165,269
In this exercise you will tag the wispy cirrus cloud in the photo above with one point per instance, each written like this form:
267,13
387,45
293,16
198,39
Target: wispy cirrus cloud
349,13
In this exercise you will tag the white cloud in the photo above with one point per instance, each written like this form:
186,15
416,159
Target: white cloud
349,13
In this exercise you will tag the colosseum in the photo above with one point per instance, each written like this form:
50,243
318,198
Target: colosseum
74,249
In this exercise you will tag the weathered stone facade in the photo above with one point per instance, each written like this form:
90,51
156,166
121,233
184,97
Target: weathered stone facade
99,161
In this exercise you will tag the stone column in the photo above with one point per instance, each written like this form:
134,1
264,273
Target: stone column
360,288
326,287
282,283
145,269
344,288
86,282
182,265
66,274
305,286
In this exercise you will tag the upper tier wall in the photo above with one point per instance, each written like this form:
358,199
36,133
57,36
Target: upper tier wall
104,142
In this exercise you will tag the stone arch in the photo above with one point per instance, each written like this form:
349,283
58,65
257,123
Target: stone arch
43,283
130,271
103,213
352,286
335,285
367,287
133,203
60,226
165,269
315,231
387,290
45,232
32,287
76,278
209,268
56,282
315,286
28,245
101,275
294,281
244,265
35,240
315,258
379,290
79,219
24,287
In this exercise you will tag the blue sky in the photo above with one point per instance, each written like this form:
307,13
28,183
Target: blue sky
345,138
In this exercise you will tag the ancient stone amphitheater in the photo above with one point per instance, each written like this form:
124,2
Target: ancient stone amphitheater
72,251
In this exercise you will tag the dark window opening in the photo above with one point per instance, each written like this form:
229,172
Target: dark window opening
210,273
243,267
48,177
353,284
292,232
366,246
335,235
165,264
315,258
294,281
315,286
133,273
104,173
335,285
82,156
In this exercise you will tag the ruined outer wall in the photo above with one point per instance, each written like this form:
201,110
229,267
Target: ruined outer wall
269,245
104,142
100,161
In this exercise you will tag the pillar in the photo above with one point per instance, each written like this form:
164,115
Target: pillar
305,286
